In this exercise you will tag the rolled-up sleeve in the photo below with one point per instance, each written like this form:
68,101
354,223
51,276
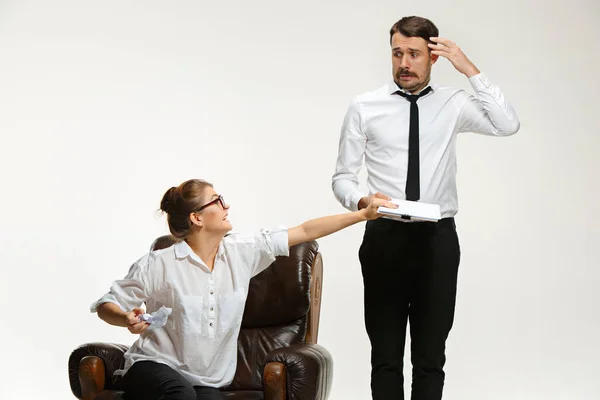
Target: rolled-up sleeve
270,243
129,292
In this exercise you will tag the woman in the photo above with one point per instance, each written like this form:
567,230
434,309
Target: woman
204,280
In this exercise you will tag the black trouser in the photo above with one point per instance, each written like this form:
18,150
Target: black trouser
147,380
409,273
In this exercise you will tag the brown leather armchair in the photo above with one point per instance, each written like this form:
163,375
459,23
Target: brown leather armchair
278,354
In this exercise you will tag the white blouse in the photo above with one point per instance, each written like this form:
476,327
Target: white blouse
200,337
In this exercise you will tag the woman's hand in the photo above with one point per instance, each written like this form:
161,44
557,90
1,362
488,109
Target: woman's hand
371,210
132,321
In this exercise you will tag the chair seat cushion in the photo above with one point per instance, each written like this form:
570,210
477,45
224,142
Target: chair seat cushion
234,395
244,395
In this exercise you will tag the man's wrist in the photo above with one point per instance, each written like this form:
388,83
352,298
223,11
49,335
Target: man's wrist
363,203
472,71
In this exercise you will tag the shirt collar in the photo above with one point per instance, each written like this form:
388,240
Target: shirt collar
183,250
393,88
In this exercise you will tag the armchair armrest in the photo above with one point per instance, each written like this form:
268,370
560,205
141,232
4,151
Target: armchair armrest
303,371
91,368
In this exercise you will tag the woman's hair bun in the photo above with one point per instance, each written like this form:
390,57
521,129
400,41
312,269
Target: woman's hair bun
168,200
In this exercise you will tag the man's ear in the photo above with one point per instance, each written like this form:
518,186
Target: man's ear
434,58
196,219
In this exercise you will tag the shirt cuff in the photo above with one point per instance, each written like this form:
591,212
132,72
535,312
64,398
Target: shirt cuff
354,200
279,241
107,298
480,82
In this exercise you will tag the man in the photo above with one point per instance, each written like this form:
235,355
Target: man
406,131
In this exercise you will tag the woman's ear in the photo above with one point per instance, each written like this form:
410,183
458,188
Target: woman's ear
196,219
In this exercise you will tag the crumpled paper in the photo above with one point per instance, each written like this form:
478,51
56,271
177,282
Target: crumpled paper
157,319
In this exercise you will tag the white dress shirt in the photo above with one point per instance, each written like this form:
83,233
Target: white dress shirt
200,337
376,127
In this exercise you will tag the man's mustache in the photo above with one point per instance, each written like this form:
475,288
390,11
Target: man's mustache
405,72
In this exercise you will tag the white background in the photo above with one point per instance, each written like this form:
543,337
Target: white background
105,105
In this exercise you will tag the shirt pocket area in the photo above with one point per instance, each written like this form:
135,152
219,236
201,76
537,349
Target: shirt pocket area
231,310
190,321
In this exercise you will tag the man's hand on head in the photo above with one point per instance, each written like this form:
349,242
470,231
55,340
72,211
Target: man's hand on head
448,49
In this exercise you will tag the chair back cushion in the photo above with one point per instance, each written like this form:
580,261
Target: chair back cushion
276,313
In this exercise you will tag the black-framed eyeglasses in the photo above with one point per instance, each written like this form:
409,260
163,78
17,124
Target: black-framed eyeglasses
219,200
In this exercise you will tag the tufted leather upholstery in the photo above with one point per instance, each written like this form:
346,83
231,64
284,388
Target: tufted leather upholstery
278,357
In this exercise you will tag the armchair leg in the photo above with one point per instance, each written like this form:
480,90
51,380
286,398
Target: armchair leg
274,381
91,377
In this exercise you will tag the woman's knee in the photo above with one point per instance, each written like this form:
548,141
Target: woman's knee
179,391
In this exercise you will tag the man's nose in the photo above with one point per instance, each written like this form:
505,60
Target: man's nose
404,63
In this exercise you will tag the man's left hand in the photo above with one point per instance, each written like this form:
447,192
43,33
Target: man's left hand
448,49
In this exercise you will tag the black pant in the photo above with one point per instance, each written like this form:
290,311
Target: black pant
409,273
147,380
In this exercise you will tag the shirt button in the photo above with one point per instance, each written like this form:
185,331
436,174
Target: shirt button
212,292
210,324
212,308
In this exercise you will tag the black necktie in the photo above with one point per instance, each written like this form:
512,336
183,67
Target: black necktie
413,189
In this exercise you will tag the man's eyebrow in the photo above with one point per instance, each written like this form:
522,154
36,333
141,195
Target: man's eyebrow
409,49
